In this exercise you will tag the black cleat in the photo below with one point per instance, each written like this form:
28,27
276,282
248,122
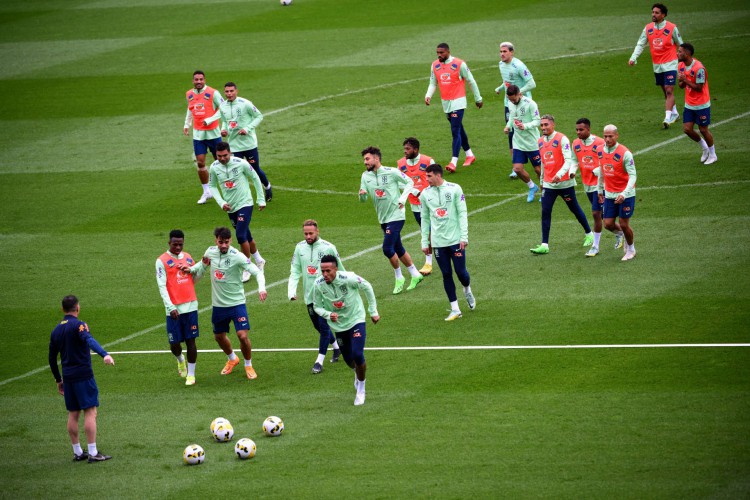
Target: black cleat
80,458
98,458
269,193
336,355
317,368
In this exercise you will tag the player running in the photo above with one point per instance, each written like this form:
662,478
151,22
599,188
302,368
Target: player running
523,123
691,76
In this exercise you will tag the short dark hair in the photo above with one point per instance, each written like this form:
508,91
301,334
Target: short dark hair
435,168
512,90
230,84
443,46
689,47
222,233
223,146
176,233
411,141
69,303
198,72
372,150
584,121
310,222
329,258
661,7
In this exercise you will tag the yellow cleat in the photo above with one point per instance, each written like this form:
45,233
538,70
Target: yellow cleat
230,366
182,368
426,270
250,372
454,315
189,380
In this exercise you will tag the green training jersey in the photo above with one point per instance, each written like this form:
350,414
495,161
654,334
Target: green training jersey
202,135
444,215
526,112
515,73
226,270
237,115
342,297
566,167
231,181
306,265
460,103
384,187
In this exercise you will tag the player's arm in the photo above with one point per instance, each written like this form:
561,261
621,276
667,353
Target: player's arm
365,286
255,115
294,275
528,80
188,122
217,105
676,37
161,282
53,362
629,163
639,46
213,186
463,215
700,80
425,225
535,118
260,193
465,73
247,265
362,189
318,302
568,167
408,184
431,87
335,253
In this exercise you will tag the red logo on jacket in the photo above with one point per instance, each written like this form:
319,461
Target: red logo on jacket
312,270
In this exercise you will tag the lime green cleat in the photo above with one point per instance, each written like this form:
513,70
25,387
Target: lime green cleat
415,280
399,286
182,368
540,250
588,240
189,380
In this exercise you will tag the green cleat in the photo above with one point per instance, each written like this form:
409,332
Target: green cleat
182,369
415,280
588,240
540,250
399,286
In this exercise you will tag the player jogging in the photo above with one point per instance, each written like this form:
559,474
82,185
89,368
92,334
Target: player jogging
523,121
691,76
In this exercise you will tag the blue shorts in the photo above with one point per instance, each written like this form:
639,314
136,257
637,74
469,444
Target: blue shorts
624,210
241,223
222,316
594,199
202,147
523,157
183,328
352,344
668,78
81,395
700,116
392,238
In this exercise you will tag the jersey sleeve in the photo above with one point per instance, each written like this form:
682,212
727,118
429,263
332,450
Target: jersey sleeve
639,46
568,155
629,163
425,224
528,79
294,276
213,186
433,83
535,118
463,215
247,264
260,193
318,303
255,115
53,352
465,73
85,335
365,286
362,187
404,180
161,283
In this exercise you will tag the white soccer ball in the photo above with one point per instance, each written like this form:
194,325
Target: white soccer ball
273,426
223,431
245,448
285,2
193,455
217,421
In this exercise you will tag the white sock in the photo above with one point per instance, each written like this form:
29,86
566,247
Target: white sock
92,450
269,186
232,356
467,289
454,306
703,144
597,237
248,362
77,449
668,115
320,359
712,150
454,159
674,108
398,272
413,271
632,247
335,345
257,257
428,259
191,369
206,190
530,184
545,245
180,358
469,153
361,387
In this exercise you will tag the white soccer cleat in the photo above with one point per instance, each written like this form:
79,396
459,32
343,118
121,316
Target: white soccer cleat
359,399
470,300
593,252
245,276
261,264
711,159
204,198
454,315
628,256
704,156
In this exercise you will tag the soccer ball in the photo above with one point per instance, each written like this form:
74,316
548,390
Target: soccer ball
273,426
285,2
223,431
217,421
245,448
194,455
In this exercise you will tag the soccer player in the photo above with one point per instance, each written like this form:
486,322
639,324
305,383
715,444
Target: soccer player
558,176
691,76
383,184
523,123
445,220
240,117
72,340
414,165
336,299
228,296
586,157
203,115
617,186
306,265
513,72
662,38
230,188
177,290
450,74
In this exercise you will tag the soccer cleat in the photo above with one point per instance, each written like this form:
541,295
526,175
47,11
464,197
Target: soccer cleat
454,315
705,155
80,458
190,380
317,368
450,168
245,276
336,355
269,193
99,457
231,363
469,160
261,264
593,252
399,286
513,175
540,250
205,197
415,280
182,368
619,239
711,159
532,192
629,256
470,300
426,270
588,240
359,399
250,372
673,117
